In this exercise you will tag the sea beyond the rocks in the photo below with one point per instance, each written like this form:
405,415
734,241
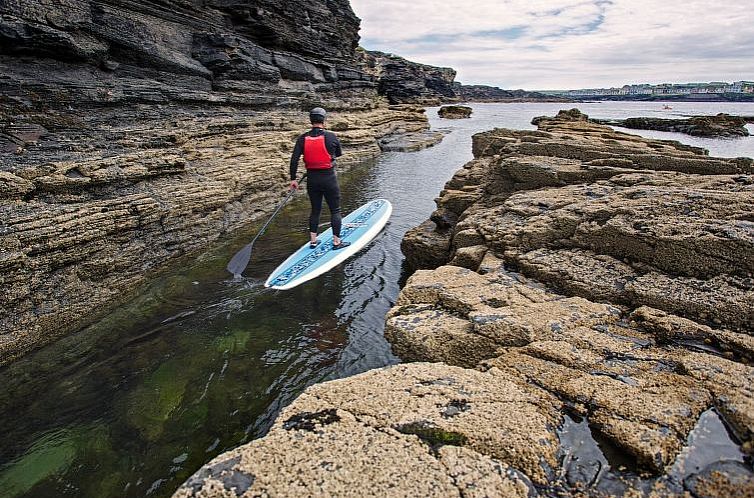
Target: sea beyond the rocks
515,116
197,363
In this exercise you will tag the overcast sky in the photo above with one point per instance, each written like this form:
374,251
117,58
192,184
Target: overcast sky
565,44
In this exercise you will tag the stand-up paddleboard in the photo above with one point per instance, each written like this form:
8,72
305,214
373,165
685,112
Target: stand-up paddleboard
358,228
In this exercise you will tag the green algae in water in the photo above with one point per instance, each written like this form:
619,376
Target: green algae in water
50,455
234,342
150,405
53,454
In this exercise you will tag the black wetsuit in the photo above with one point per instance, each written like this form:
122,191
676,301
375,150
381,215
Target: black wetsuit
321,183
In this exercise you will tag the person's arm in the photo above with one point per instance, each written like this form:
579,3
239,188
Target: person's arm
333,146
298,149
337,149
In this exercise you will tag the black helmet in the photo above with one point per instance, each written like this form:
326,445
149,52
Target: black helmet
317,115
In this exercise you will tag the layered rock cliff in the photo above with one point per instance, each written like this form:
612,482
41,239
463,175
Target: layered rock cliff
589,318
132,133
403,81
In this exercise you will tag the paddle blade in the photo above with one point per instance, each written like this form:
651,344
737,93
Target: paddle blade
240,261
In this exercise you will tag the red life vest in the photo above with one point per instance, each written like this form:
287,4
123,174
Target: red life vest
315,153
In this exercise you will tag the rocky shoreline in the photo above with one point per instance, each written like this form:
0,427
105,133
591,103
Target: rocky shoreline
97,220
587,307
582,317
720,125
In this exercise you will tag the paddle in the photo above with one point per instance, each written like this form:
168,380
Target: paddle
240,261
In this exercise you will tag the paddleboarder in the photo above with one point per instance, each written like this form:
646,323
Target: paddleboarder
320,149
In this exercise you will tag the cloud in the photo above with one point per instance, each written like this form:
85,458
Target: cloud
539,44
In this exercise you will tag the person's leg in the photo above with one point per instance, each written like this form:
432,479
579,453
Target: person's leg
313,188
332,197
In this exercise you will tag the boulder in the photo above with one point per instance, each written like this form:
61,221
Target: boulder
454,112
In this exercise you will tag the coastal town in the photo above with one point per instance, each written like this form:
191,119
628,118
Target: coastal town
665,89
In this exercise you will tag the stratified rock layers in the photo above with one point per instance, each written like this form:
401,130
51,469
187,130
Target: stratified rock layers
587,304
132,133
79,230
404,81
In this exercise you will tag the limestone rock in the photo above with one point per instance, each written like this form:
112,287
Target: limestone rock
469,256
573,205
410,142
613,272
429,429
429,247
425,333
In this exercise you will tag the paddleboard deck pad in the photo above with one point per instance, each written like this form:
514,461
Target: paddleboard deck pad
359,228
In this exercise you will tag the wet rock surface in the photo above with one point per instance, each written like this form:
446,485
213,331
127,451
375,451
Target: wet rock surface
404,141
721,125
586,304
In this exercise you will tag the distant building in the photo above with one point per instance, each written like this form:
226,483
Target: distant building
662,89
746,86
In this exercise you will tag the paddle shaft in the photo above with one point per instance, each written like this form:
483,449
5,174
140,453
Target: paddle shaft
240,261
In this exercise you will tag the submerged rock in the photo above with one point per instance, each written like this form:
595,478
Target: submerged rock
410,142
722,479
